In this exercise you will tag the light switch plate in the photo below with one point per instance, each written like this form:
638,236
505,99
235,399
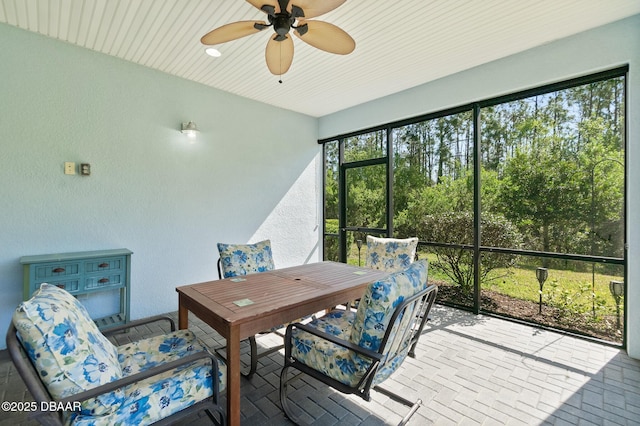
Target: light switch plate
85,169
69,168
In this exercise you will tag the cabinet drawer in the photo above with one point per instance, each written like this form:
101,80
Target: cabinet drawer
46,272
104,281
72,286
107,264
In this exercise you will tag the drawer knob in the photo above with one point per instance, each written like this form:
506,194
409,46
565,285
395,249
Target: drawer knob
59,270
103,280
103,265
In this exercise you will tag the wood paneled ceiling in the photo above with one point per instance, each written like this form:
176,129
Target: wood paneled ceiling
399,44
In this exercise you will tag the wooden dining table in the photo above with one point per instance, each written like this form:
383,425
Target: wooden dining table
240,307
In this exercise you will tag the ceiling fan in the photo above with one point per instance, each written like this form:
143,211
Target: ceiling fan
283,15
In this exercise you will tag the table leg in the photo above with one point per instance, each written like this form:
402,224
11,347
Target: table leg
233,378
183,315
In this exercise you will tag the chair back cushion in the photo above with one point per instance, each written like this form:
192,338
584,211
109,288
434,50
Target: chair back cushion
243,259
390,254
376,308
69,352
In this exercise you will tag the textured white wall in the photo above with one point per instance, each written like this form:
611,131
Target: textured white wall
596,50
150,191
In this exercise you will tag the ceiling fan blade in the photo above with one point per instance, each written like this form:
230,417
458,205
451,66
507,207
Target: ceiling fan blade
259,3
313,8
326,36
232,31
279,55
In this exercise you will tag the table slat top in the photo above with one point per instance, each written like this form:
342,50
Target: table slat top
277,290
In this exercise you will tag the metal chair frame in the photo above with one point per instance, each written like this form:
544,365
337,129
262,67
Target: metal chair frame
41,395
418,306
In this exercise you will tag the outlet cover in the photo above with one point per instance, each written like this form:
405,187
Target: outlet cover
69,168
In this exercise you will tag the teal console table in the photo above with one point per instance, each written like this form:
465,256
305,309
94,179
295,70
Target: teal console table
100,279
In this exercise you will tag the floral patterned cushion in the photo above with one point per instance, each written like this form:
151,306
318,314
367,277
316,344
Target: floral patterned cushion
152,399
390,254
69,352
376,308
242,259
333,360
366,328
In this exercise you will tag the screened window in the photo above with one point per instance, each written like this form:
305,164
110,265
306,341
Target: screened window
518,201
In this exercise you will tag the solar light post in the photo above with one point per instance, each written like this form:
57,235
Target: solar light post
617,291
359,244
541,274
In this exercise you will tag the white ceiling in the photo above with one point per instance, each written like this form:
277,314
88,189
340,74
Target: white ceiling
399,44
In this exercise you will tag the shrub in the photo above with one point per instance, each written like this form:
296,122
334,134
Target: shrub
457,228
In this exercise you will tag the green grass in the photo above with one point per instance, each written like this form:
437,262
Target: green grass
579,289
566,289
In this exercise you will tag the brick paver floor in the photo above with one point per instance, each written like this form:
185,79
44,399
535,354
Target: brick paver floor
469,370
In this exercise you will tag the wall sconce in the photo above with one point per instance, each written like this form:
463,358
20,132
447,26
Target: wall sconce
190,129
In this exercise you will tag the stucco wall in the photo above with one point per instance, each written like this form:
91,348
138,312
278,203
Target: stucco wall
150,190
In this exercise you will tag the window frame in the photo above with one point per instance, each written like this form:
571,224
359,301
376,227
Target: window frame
476,108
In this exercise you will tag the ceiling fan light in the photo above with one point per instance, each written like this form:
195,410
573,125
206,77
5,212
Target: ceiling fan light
212,51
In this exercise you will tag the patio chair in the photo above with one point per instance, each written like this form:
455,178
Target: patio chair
388,254
392,255
354,352
78,377
237,260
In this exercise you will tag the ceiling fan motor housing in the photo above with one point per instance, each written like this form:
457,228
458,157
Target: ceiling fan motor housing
282,23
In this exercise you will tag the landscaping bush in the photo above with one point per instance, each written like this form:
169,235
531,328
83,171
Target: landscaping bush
457,228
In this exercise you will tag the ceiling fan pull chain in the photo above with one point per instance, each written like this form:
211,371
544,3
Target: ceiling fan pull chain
280,79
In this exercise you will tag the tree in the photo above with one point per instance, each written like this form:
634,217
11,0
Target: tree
552,164
538,193
331,181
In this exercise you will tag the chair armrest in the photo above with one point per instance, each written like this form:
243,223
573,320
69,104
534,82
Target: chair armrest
130,324
376,356
126,381
25,366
